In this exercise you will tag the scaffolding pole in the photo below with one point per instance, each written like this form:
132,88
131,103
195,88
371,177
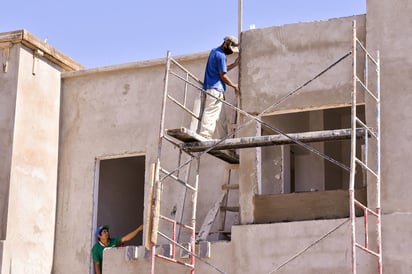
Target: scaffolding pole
374,172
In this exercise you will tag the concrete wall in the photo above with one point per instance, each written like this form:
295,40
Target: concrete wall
389,25
285,58
8,90
30,203
115,112
260,248
277,60
103,115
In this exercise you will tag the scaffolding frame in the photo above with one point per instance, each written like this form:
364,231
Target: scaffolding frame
195,148
155,215
373,171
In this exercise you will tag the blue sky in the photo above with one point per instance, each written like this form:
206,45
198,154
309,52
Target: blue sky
101,33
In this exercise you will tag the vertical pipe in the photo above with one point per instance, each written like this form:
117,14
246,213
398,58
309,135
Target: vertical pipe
153,255
259,161
378,164
174,240
365,218
162,115
240,18
185,90
194,199
179,162
353,150
239,35
157,185
366,77
366,144
366,71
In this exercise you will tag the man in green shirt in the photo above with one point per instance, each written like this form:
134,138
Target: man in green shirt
104,240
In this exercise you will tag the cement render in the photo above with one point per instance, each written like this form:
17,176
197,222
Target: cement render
115,113
391,35
31,200
8,90
100,107
288,56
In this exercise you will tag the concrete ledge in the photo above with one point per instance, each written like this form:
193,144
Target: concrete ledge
34,43
330,204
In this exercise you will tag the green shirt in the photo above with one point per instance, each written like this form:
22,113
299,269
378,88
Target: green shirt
98,248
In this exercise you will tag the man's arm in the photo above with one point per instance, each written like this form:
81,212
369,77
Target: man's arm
233,65
229,82
132,234
97,267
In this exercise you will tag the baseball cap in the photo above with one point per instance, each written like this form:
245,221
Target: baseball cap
100,228
233,42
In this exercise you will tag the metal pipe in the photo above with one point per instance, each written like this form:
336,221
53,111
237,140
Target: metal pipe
378,165
194,199
239,18
365,221
353,151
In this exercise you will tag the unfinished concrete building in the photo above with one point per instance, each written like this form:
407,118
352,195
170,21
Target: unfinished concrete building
83,147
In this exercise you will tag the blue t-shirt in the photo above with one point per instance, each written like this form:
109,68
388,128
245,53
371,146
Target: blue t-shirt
215,65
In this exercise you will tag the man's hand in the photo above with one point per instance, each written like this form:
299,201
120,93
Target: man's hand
233,65
237,90
132,234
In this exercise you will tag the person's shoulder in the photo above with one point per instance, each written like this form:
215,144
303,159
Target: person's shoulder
95,246
218,53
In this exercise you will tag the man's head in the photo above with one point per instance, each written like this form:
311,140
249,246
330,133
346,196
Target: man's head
102,230
230,45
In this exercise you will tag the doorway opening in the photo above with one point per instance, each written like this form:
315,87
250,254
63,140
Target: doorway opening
120,195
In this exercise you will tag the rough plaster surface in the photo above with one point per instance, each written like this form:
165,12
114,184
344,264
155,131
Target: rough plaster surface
115,113
277,60
285,58
389,27
33,176
308,247
8,90
142,264
101,106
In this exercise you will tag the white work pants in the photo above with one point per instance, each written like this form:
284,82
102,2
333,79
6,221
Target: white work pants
211,113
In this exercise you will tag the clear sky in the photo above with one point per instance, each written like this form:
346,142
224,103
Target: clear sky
100,33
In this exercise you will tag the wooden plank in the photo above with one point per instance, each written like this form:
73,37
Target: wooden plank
210,219
157,189
149,216
188,136
230,208
226,156
193,144
185,135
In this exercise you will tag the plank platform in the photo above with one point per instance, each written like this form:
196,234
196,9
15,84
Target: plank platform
189,137
196,143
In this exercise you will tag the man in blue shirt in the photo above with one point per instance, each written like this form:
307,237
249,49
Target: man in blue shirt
215,82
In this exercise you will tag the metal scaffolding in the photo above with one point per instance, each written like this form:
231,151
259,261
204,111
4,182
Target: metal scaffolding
161,174
371,92
190,147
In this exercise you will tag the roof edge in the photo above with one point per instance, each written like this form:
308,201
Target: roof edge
31,41
136,65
